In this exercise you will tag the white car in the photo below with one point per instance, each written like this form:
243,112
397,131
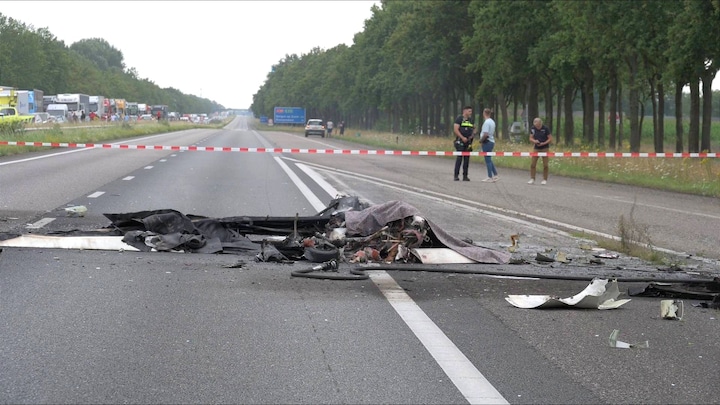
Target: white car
315,127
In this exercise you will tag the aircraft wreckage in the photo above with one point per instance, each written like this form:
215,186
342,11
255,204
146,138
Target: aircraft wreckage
393,234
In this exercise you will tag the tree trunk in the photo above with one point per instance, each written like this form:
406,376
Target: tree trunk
694,132
588,107
602,97
707,80
622,117
504,121
660,132
549,104
655,118
613,110
634,101
678,117
568,93
533,107
559,112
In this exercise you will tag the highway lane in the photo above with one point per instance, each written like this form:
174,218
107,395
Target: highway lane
159,328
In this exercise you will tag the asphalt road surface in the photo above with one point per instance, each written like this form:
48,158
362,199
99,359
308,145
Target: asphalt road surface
119,326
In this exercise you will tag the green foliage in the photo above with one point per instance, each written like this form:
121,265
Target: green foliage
417,62
35,59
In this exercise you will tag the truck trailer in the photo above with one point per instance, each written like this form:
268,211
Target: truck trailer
75,102
97,105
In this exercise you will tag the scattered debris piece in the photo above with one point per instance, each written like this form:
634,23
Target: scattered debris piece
562,257
693,291
672,309
439,256
515,240
543,258
714,304
597,295
607,255
622,345
671,269
76,211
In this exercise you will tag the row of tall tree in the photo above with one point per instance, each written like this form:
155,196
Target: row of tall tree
417,62
33,58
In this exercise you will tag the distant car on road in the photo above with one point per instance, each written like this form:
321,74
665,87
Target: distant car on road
315,127
145,117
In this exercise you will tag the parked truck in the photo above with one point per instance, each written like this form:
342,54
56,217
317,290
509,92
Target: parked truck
47,100
160,111
132,109
75,102
97,105
23,100
9,102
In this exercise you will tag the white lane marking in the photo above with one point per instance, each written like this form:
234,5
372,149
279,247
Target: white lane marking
148,167
312,199
96,194
318,179
471,383
128,178
163,160
39,224
44,156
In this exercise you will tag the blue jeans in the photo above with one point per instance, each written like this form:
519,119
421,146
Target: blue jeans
488,147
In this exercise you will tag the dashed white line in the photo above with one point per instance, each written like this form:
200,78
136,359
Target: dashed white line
96,194
39,224
128,178
148,167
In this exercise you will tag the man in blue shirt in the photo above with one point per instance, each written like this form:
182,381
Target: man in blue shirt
487,142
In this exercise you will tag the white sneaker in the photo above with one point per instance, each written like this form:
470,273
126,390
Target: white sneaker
544,182
532,181
496,178
488,180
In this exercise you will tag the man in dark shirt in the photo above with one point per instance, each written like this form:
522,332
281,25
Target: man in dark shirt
541,138
464,131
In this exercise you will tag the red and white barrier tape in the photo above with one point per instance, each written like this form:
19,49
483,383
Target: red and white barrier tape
361,151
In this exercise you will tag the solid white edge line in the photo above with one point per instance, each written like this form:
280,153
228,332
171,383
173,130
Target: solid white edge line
461,371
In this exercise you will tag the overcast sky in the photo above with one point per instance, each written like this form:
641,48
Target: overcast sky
220,50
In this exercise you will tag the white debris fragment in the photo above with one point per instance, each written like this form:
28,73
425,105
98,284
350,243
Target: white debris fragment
623,345
76,211
597,295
